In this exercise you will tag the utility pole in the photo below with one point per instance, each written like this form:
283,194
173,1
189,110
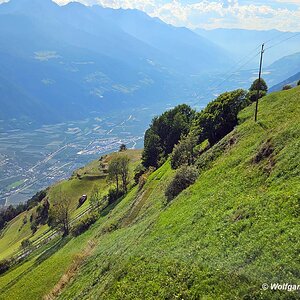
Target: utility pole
259,79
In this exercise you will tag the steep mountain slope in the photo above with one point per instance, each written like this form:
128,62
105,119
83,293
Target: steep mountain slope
233,230
82,182
273,74
285,67
75,59
183,45
293,80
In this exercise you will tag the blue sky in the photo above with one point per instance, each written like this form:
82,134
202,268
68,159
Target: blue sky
262,14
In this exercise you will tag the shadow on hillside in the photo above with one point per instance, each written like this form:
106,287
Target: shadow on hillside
41,258
110,207
49,252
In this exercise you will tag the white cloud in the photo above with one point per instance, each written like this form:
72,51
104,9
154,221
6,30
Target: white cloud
297,2
213,13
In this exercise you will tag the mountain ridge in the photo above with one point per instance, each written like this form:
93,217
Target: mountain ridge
49,41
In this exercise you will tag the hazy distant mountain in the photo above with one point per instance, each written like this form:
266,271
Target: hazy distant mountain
273,74
283,68
293,80
63,62
241,42
190,53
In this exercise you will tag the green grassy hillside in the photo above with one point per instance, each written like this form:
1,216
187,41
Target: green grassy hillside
222,238
45,266
236,228
82,182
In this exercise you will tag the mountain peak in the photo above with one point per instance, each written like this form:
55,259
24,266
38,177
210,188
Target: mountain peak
14,5
75,4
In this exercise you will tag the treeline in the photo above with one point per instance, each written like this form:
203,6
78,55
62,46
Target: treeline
182,134
9,213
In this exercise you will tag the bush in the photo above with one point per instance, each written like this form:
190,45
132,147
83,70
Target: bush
26,244
287,87
84,224
114,195
183,153
252,95
143,178
4,265
298,83
138,172
122,148
142,181
185,176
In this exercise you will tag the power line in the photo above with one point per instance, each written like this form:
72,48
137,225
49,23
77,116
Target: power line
230,73
275,37
270,47
213,88
236,70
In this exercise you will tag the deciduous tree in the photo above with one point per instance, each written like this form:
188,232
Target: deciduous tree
59,216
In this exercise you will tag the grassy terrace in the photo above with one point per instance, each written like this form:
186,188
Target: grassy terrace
233,230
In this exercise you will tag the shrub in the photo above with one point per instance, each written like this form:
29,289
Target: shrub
183,153
122,148
185,176
143,178
26,244
84,224
33,227
4,265
138,172
114,195
252,95
287,87
142,181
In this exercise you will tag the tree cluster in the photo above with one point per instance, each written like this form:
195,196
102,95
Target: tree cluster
118,172
11,212
40,217
164,133
210,125
219,117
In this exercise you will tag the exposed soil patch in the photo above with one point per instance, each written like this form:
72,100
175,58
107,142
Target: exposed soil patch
78,260
265,153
